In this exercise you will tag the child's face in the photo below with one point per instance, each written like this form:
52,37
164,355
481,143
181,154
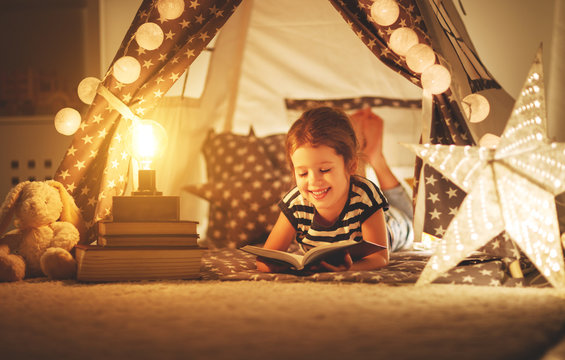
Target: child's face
322,178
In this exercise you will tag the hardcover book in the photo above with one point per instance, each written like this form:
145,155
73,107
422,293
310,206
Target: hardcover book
357,250
148,240
100,264
147,227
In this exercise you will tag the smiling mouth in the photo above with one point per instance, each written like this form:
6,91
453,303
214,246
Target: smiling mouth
318,194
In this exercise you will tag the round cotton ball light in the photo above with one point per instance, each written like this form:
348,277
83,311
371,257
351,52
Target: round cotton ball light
420,57
149,36
489,140
436,79
385,12
87,89
127,69
476,107
67,121
402,39
170,9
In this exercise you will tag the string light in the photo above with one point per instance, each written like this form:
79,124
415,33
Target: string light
170,9
385,12
476,107
489,140
420,57
436,79
149,36
86,89
402,39
67,121
126,69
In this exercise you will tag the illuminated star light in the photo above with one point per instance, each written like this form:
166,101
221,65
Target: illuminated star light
509,188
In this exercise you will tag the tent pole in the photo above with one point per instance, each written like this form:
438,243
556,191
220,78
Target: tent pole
247,6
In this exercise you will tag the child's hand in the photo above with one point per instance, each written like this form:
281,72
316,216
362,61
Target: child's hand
267,266
343,265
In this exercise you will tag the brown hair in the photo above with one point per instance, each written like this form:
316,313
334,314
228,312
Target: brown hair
323,126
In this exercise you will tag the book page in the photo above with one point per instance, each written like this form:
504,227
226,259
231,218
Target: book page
319,251
292,259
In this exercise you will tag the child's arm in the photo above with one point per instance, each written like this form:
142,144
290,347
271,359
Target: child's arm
373,230
279,239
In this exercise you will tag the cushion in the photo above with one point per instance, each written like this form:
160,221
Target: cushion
247,176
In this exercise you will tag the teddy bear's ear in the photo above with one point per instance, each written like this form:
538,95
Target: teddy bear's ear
71,212
8,206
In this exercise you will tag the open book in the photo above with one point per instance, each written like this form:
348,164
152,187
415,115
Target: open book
357,250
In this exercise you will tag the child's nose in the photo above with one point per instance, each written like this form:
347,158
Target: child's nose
313,177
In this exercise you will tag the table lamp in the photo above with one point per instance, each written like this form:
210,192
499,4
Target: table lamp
147,140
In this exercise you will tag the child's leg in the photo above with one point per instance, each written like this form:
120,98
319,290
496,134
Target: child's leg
369,128
400,228
398,198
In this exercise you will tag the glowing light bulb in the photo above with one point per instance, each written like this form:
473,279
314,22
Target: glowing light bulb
402,39
67,121
147,141
86,89
170,9
436,79
149,36
476,107
385,12
126,69
489,140
420,57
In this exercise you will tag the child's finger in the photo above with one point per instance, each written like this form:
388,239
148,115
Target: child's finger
344,266
329,266
348,260
268,265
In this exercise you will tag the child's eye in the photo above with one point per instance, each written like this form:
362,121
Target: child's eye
324,170
302,174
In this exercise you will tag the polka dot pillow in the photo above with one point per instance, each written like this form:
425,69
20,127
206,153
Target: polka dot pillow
247,176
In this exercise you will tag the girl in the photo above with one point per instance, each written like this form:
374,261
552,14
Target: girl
329,203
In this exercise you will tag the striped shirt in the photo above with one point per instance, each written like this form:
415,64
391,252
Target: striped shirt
365,198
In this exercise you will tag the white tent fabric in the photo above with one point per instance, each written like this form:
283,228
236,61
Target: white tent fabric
311,53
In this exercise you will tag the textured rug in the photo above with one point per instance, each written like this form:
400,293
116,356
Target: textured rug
211,319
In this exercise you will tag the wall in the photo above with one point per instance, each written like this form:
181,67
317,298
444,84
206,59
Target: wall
54,44
115,19
507,35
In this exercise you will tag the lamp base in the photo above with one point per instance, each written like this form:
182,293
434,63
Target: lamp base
147,183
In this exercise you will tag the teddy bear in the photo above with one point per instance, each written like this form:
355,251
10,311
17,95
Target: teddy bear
48,225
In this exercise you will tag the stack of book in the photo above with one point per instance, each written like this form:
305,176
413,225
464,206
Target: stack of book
131,248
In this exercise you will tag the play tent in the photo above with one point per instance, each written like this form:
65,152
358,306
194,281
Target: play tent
268,54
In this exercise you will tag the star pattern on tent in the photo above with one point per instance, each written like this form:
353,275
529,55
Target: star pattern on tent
95,158
510,188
